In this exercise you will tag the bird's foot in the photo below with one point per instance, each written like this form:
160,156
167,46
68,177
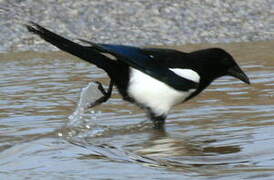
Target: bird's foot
159,124
106,94
158,120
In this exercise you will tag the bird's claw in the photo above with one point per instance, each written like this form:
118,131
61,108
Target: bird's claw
106,94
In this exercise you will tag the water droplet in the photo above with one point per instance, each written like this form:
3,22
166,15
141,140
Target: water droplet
70,134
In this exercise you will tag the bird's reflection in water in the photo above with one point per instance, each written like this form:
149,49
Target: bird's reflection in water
162,144
162,149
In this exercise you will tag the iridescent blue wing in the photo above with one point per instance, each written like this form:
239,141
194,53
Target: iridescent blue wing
135,58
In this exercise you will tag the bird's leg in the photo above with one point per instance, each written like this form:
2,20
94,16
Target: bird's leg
158,120
106,94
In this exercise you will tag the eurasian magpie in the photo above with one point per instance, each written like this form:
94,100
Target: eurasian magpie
155,79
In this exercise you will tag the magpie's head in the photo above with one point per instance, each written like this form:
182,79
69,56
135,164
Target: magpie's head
217,63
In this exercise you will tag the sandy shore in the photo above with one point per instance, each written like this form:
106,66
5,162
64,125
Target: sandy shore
140,23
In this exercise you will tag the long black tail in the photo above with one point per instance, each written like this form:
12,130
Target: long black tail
86,53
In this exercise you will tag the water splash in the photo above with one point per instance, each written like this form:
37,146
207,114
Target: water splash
89,94
81,125
82,131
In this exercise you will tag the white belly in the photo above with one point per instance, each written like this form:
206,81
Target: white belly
153,93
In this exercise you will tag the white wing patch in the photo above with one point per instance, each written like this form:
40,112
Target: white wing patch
110,56
187,74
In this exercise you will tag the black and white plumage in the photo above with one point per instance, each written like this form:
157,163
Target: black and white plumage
154,79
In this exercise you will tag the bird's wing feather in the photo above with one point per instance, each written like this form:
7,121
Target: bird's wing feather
135,58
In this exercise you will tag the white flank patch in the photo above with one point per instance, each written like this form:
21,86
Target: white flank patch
156,94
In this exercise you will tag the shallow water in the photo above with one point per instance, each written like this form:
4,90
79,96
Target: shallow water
225,133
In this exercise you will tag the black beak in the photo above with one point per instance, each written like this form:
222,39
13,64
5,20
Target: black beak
236,72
